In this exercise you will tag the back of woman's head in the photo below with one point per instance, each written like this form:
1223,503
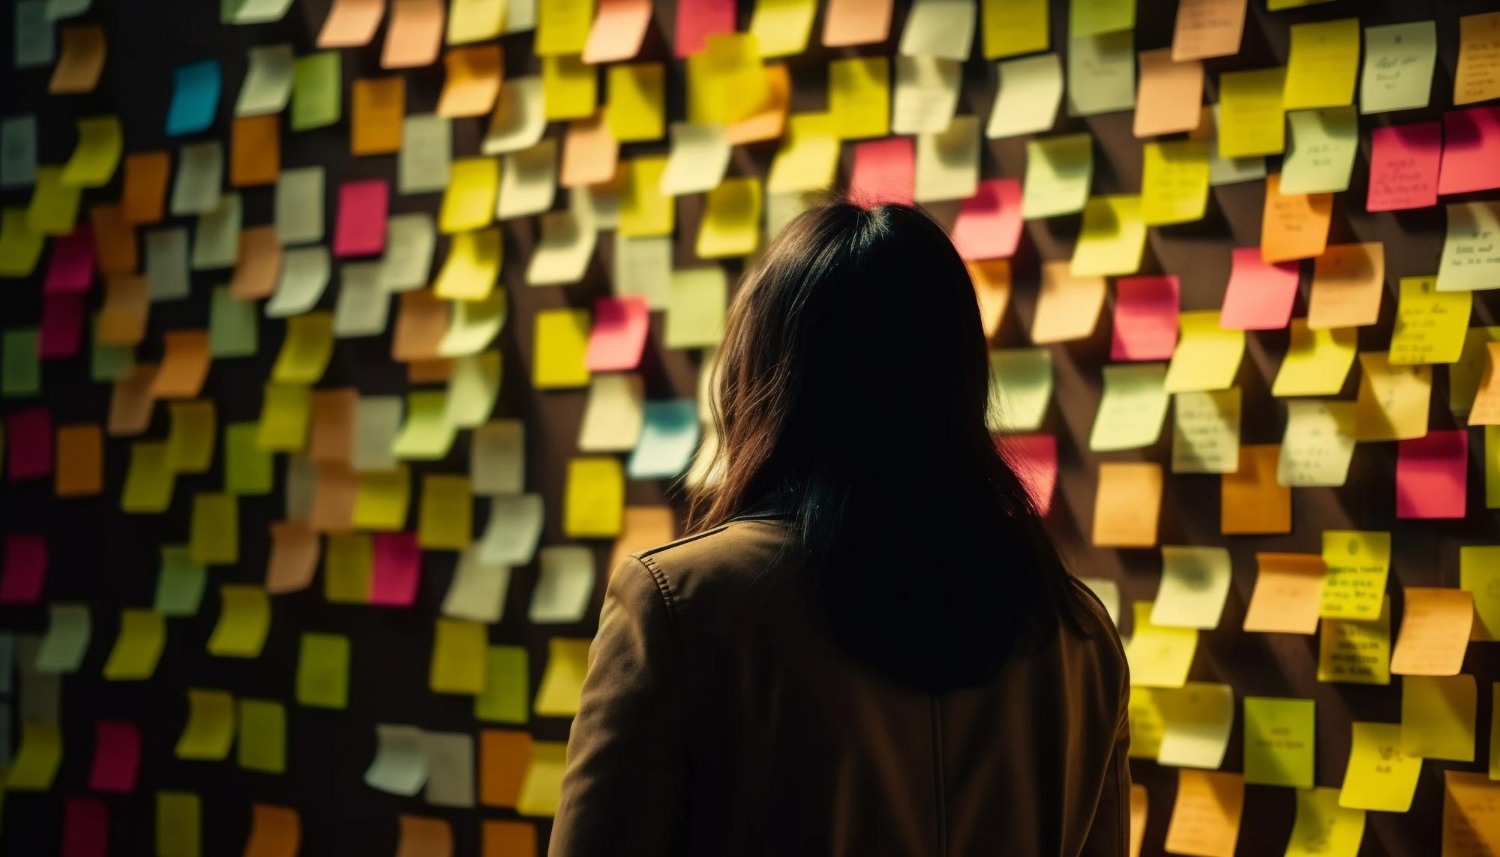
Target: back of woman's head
853,390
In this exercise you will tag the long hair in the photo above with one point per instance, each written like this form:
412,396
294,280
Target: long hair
853,388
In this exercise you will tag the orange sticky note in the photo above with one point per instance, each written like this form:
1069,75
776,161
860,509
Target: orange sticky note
294,556
424,837
414,34
992,289
1251,500
275,831
507,839
473,81
255,150
351,23
130,402
80,60
1348,282
1475,78
421,322
769,121
435,371
1127,504
1486,408
856,22
590,154
259,266
1435,627
1067,307
1139,803
332,438
379,105
618,29
80,461
504,755
144,193
1471,813
335,492
642,528
1208,28
184,365
114,240
1288,592
1206,815
1295,226
1169,94
122,317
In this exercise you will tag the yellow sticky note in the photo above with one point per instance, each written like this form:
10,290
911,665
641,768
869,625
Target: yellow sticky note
1316,361
1206,431
1111,239
1159,656
20,245
179,824
1379,776
1279,736
472,267
1430,325
1131,409
306,350
1014,27
1471,826
381,499
94,159
1207,356
446,521
36,760
1358,563
560,340
215,529
244,619
54,205
1437,716
148,479
637,102
1479,573
570,88
469,200
1322,64
1147,709
1251,113
726,81
562,680
644,210
1393,400
1322,828
594,505
262,736
859,96
1059,171
285,413
1355,652
1174,182
541,788
1198,719
474,21
782,26
209,731
1492,467
190,442
458,657
808,156
143,633
562,26
731,219
323,671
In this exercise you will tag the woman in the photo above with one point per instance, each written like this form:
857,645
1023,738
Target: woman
869,647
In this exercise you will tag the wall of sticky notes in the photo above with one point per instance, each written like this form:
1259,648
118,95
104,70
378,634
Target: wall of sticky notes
345,345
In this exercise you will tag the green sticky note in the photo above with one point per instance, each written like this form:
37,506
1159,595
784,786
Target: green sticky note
214,531
506,686
1091,17
1020,388
1133,407
108,363
180,583
427,434
317,81
323,671
248,469
1059,171
232,330
1279,735
20,365
1320,155
178,825
262,736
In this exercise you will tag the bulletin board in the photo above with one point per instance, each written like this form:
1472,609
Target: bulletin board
109,560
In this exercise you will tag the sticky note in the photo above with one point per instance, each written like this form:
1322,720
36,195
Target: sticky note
1250,112
361,225
378,106
1321,64
1295,226
1430,324
1404,166
458,664
1026,100
1169,96
244,618
560,344
262,736
947,167
93,162
637,102
562,681
1127,504
477,590
859,96
644,210
400,763
1207,28
564,586
80,61
613,413
1279,735
1012,28
884,171
29,451
306,350
37,758
1469,825
1251,500
514,529
1059,171
1194,583
1287,595
1112,238
323,671
67,639
273,830
195,97
1379,776
617,30
1321,153
594,498
1322,828
1101,73
1431,475
1356,652
190,443
1358,563
1469,259
1207,356
20,245
209,731
1197,719
1434,632
992,283
267,87
54,206
426,435
317,86
1348,282
472,82
1316,361
114,238
731,220
1478,50
1020,388
1437,716
350,23
570,88
669,435
1399,61
1147,712
21,373
926,94
395,569
117,757
1206,431
1471,140
1393,400
1260,294
563,250
143,634
1206,814
697,302
1145,319
1131,409
179,824
446,517
80,461
1479,574
1174,182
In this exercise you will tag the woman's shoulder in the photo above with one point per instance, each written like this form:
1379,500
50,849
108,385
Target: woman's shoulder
722,561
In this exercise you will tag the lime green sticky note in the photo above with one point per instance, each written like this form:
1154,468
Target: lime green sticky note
1020,388
426,435
347,562
180,583
1323,828
109,363
143,634
1279,736
20,363
1059,171
233,329
54,206
285,413
1132,408
262,741
179,826
209,731
1358,563
458,657
1112,239
37,758
215,529
506,686
248,469
305,350
323,671
190,441
1379,775
20,245
317,82
148,480
244,618
1092,17
1320,156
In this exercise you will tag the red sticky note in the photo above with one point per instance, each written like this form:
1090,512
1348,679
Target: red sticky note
85,828
619,335
988,225
1471,150
1260,293
25,569
699,19
71,268
1033,458
1404,163
60,331
117,756
884,171
28,437
1432,475
1145,318
362,211
396,566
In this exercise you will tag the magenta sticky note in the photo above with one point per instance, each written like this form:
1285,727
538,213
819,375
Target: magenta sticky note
117,757
60,332
71,268
988,225
1033,458
363,206
1432,475
619,335
1260,293
396,568
28,444
25,568
884,171
1404,161
1471,150
1145,325
85,830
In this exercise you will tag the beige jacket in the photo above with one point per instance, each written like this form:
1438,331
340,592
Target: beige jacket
719,719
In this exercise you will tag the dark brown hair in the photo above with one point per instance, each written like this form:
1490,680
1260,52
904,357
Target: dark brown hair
853,387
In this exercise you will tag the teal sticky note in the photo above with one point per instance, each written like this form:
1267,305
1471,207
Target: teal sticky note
232,326
35,45
317,84
18,151
20,367
195,97
669,434
180,583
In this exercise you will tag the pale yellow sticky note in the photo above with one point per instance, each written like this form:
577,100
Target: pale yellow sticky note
1318,444
562,680
1206,814
209,731
1316,361
1379,776
1434,632
1207,356
427,435
1194,585
560,341
1322,64
1322,828
1174,182
1430,325
1479,573
1251,113
731,219
469,200
1020,388
782,26
138,647
1354,652
1112,238
541,788
644,210
1206,431
637,102
244,619
1358,563
1393,400
1159,656
1131,408
458,657
1437,716
446,520
697,299
1197,721
472,267
859,96
594,502
1059,171
1067,307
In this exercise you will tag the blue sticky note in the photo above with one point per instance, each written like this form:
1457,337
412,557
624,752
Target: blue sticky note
195,97
669,434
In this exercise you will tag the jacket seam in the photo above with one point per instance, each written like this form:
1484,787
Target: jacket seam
663,588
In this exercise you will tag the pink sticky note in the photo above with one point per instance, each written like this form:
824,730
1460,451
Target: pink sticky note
361,226
1033,457
1404,166
85,830
396,567
28,437
699,19
71,268
884,171
619,335
1471,150
1260,293
1145,318
988,225
25,569
60,332
117,756
1432,475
